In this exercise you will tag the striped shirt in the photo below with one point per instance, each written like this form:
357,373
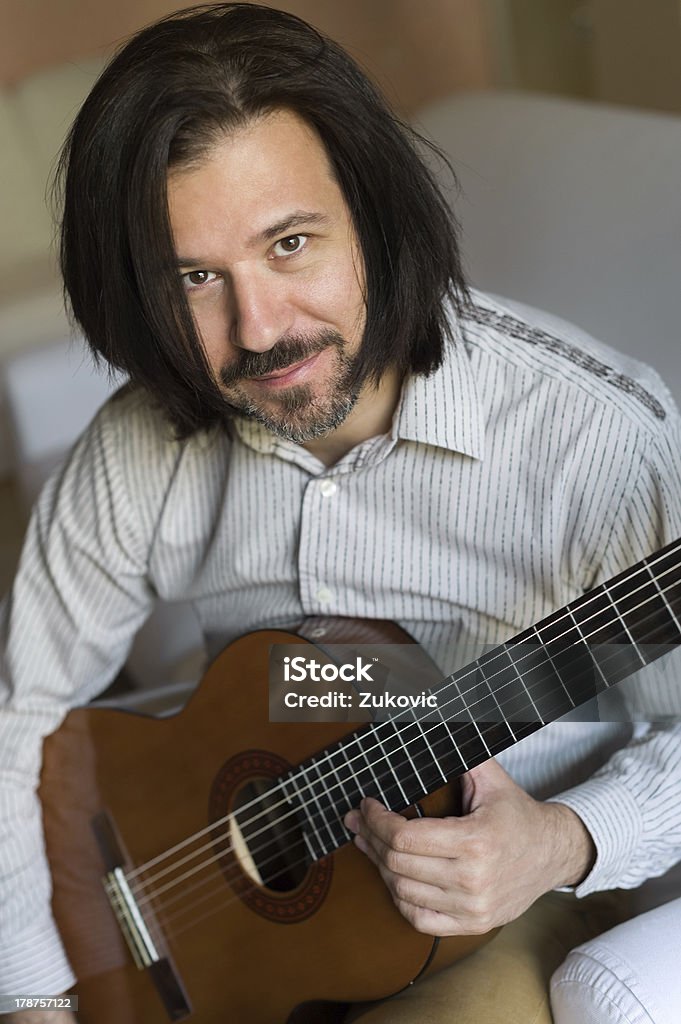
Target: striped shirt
533,464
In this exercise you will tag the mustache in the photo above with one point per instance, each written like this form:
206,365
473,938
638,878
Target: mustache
287,351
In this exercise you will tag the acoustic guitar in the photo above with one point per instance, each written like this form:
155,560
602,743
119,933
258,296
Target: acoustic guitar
200,866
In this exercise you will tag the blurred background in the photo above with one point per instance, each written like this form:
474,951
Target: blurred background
622,53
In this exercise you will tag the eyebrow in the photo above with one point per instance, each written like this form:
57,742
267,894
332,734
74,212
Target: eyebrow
280,227
294,220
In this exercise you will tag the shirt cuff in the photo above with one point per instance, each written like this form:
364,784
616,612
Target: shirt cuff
614,820
34,962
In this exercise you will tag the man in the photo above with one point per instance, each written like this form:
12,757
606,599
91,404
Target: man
321,421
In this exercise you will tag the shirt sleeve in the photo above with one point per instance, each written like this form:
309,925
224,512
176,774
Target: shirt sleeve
632,805
80,593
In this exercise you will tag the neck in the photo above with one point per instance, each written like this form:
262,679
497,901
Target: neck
372,415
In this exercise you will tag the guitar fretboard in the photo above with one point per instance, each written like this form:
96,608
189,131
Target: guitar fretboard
531,680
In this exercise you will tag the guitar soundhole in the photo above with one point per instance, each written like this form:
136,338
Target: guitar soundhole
275,844
258,843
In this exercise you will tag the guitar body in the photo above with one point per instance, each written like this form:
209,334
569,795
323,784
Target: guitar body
240,951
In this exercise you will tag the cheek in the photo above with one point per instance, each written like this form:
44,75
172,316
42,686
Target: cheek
211,326
340,293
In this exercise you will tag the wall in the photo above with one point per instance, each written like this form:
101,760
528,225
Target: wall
417,50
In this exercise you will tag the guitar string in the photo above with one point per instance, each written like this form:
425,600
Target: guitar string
222,853
361,755
256,801
220,887
236,870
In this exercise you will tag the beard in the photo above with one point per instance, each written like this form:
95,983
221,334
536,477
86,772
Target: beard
301,412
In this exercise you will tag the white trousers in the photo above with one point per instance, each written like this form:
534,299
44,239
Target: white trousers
629,975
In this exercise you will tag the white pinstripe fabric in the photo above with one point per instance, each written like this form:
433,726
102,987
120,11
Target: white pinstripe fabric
532,465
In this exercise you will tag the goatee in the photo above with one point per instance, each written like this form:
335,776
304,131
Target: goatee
298,413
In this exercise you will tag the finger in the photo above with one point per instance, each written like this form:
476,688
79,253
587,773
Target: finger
435,871
407,892
431,922
422,837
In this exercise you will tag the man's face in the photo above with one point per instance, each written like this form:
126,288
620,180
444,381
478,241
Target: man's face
273,275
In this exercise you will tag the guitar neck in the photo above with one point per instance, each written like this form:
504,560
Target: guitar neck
527,682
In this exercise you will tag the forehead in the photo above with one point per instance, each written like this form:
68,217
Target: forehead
253,177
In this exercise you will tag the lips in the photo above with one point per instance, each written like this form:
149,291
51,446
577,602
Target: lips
290,373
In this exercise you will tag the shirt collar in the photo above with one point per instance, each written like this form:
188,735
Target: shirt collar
444,408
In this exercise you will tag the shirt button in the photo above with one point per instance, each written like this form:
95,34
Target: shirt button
327,487
324,595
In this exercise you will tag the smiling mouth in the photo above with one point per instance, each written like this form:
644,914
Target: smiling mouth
289,374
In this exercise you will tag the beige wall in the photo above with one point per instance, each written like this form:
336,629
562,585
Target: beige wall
637,52
417,49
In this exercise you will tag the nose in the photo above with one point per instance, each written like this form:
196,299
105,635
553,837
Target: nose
261,313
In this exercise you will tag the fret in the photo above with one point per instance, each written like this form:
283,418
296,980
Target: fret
444,746
315,799
645,616
570,656
428,744
490,670
376,790
547,688
611,646
328,806
346,773
359,765
331,761
536,677
666,568
420,757
668,599
482,709
311,835
394,742
395,801
421,754
512,692
463,690
668,580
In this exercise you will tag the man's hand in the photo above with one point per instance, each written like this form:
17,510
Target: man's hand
464,876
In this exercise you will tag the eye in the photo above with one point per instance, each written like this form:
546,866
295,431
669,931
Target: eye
290,245
197,279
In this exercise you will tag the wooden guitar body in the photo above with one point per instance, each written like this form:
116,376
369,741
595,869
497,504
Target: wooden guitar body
239,951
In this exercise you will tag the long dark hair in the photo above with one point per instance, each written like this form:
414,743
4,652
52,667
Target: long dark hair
162,102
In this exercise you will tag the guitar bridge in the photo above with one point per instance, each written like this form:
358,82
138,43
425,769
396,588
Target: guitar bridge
131,921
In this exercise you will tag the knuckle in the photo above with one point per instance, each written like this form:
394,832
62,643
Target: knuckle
401,888
402,840
392,859
482,915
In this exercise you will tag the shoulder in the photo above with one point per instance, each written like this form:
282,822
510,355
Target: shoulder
131,453
552,352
